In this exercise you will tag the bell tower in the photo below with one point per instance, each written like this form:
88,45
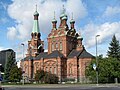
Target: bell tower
35,45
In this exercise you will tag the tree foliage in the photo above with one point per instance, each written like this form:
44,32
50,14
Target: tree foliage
8,66
15,74
12,72
39,76
108,67
108,70
46,77
114,49
50,78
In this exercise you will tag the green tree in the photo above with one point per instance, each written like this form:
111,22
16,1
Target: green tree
8,66
109,67
90,72
46,77
50,78
39,75
114,49
15,74
108,70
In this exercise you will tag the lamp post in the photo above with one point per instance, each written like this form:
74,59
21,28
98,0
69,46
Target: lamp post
0,73
96,59
23,63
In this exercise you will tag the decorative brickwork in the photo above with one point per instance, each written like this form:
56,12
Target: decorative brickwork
66,56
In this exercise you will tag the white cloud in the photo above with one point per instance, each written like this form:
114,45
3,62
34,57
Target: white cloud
18,48
111,11
106,31
77,8
11,33
23,14
18,64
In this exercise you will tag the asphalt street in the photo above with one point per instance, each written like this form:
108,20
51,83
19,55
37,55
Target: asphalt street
61,88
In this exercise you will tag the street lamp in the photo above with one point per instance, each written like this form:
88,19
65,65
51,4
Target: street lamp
96,59
23,63
0,73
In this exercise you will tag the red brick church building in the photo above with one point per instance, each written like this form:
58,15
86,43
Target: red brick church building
66,56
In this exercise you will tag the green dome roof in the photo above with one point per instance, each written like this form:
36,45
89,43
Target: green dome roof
63,15
72,21
36,13
54,20
35,27
64,18
79,37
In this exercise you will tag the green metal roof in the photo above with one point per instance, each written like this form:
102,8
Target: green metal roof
35,27
63,14
64,18
36,13
80,38
72,21
54,20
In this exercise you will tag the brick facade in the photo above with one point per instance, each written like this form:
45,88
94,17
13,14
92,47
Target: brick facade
66,56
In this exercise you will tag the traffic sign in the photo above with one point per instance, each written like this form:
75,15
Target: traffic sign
94,66
1,78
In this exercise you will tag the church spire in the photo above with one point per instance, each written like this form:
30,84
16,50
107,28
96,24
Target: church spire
63,15
36,24
54,21
36,13
63,19
72,22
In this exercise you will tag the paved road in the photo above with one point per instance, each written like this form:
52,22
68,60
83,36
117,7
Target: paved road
62,88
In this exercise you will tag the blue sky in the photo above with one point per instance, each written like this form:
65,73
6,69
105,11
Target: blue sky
92,17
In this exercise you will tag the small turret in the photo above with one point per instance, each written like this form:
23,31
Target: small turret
72,21
54,21
63,17
79,42
35,30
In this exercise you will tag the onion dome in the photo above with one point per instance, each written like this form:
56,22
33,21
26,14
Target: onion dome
64,18
63,15
72,20
79,37
54,20
36,13
36,23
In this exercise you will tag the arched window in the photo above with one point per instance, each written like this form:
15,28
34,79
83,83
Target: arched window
50,69
61,46
46,69
56,46
37,66
70,69
52,47
25,68
55,70
40,65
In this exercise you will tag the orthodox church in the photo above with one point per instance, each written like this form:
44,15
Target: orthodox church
66,56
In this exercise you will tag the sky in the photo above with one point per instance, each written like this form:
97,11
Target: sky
92,17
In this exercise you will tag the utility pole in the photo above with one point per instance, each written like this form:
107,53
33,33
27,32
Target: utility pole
23,63
96,60
0,73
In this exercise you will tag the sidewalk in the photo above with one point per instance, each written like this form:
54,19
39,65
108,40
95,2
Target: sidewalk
63,85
